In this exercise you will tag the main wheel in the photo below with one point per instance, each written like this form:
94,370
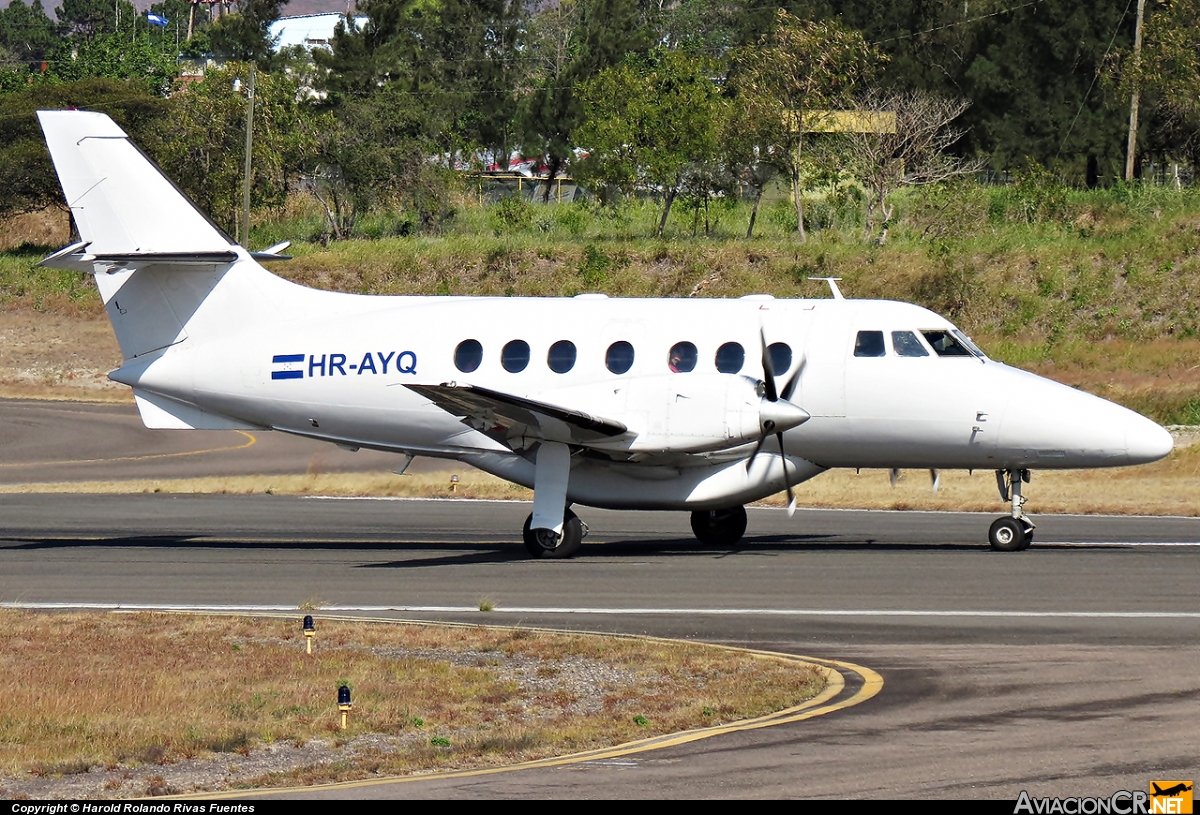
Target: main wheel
720,527
545,543
1008,535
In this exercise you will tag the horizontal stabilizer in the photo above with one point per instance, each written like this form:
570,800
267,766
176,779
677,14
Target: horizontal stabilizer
161,413
489,410
122,204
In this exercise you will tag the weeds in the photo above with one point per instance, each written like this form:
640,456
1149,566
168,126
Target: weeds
193,697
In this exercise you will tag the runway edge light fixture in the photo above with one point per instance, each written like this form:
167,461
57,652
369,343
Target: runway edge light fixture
310,631
344,704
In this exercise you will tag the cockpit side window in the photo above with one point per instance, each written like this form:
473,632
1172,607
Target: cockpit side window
945,344
869,344
907,344
965,340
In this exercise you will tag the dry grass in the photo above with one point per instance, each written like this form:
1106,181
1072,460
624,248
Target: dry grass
1163,488
472,484
141,690
46,227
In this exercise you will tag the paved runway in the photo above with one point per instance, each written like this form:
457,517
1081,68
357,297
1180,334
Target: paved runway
1071,669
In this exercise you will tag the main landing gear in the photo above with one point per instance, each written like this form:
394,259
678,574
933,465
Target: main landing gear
546,543
720,527
1014,532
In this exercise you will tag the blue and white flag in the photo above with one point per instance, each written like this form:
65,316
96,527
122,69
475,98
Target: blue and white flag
154,19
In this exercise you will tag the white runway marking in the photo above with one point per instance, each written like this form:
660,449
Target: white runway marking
716,612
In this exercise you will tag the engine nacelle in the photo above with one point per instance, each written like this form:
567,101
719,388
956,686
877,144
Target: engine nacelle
688,413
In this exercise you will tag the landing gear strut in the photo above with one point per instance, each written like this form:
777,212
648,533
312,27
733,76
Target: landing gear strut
1013,532
720,527
546,543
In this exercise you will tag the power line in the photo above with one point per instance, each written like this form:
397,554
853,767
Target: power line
1078,113
955,25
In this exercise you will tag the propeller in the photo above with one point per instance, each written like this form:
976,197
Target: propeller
774,396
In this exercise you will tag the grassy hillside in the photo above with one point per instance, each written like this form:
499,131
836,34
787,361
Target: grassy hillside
1097,289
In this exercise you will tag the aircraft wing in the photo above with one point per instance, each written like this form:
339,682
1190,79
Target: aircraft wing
506,417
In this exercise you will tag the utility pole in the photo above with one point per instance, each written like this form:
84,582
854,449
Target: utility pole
1131,149
245,236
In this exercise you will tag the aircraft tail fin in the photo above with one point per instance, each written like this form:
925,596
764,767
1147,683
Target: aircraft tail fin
123,206
165,271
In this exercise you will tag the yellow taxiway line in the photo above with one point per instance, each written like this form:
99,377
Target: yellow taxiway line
823,703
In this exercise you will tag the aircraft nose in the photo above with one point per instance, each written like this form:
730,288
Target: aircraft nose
1054,426
780,415
1146,441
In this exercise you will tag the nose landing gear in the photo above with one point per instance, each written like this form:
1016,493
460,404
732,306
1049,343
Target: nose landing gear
1014,532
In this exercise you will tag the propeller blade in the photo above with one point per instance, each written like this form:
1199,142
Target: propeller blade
757,447
768,369
791,509
936,478
790,387
894,475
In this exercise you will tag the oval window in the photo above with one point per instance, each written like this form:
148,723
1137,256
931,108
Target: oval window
730,358
682,358
619,358
515,356
781,357
468,355
561,357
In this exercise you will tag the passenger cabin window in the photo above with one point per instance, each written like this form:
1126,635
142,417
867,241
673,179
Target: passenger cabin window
781,357
730,358
907,344
619,357
682,358
945,344
515,356
561,357
869,344
468,355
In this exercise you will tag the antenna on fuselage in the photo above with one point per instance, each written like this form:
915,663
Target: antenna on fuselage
833,286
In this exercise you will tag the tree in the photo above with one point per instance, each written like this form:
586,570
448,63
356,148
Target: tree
90,18
1029,69
204,141
26,173
792,79
117,56
591,36
912,151
26,32
375,151
649,123
245,36
1168,75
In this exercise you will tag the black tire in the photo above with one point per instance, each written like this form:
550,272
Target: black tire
720,527
1008,535
1028,535
542,543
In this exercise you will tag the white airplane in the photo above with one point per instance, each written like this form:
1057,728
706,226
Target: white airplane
700,405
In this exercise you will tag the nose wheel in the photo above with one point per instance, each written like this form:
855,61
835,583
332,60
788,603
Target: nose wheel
1010,534
1014,532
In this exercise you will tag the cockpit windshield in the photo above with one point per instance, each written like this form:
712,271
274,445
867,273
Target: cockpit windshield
952,343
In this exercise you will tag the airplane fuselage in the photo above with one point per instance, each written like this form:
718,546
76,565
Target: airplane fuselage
335,366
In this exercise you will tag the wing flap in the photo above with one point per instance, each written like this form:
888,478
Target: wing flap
503,415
